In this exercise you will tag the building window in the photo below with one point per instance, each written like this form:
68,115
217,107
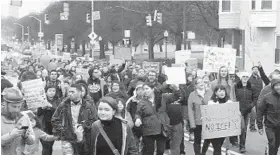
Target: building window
253,5
226,5
277,50
266,4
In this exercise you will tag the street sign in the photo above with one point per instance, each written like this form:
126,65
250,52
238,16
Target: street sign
126,33
40,34
96,15
92,35
63,16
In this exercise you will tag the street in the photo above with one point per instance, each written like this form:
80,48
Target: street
255,145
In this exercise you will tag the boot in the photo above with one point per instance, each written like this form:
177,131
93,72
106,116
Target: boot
197,149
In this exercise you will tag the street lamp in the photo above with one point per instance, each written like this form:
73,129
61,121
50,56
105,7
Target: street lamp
22,31
40,29
165,34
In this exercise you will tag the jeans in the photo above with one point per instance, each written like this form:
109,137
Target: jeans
217,144
47,147
149,144
244,131
197,140
176,138
273,136
253,117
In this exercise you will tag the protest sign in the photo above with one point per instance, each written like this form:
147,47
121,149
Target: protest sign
83,72
220,120
215,58
151,66
181,56
175,75
192,63
178,65
123,53
66,56
34,93
200,73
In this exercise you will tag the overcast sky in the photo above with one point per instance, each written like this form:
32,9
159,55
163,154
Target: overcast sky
28,6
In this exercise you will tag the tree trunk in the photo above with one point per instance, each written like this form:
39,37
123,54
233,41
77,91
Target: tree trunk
160,47
102,51
113,49
106,46
83,47
178,41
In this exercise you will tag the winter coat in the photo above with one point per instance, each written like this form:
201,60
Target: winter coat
152,115
269,108
194,103
265,79
257,84
128,142
246,97
267,89
63,127
10,145
45,115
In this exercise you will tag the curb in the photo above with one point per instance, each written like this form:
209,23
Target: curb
186,136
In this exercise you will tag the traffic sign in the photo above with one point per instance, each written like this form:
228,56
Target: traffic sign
40,34
96,15
92,35
63,16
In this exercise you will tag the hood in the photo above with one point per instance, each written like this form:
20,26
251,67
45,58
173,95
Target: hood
274,82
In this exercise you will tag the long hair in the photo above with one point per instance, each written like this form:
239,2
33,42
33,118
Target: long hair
220,78
157,94
219,87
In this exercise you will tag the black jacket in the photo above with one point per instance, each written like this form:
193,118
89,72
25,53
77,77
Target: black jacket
246,97
269,107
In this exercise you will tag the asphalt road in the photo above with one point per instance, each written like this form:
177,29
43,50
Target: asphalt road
255,145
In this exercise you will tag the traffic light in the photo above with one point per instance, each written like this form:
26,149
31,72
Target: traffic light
159,18
88,18
47,21
149,20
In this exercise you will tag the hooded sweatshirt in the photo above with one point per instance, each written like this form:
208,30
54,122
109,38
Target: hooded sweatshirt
269,108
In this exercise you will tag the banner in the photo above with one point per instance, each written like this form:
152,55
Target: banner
34,92
66,56
215,58
175,75
181,56
83,72
123,53
192,63
151,66
220,120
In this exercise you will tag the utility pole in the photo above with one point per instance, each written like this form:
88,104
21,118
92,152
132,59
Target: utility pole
184,26
92,24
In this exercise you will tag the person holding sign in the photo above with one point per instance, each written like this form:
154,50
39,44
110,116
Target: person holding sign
219,96
199,97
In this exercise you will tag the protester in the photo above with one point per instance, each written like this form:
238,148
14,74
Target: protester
147,113
16,130
110,128
53,80
219,96
270,110
199,97
140,77
45,115
122,112
246,97
95,84
72,121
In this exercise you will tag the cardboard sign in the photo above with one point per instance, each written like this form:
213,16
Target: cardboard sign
175,75
178,65
181,56
123,53
34,92
220,120
192,63
215,58
151,66
66,56
83,72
